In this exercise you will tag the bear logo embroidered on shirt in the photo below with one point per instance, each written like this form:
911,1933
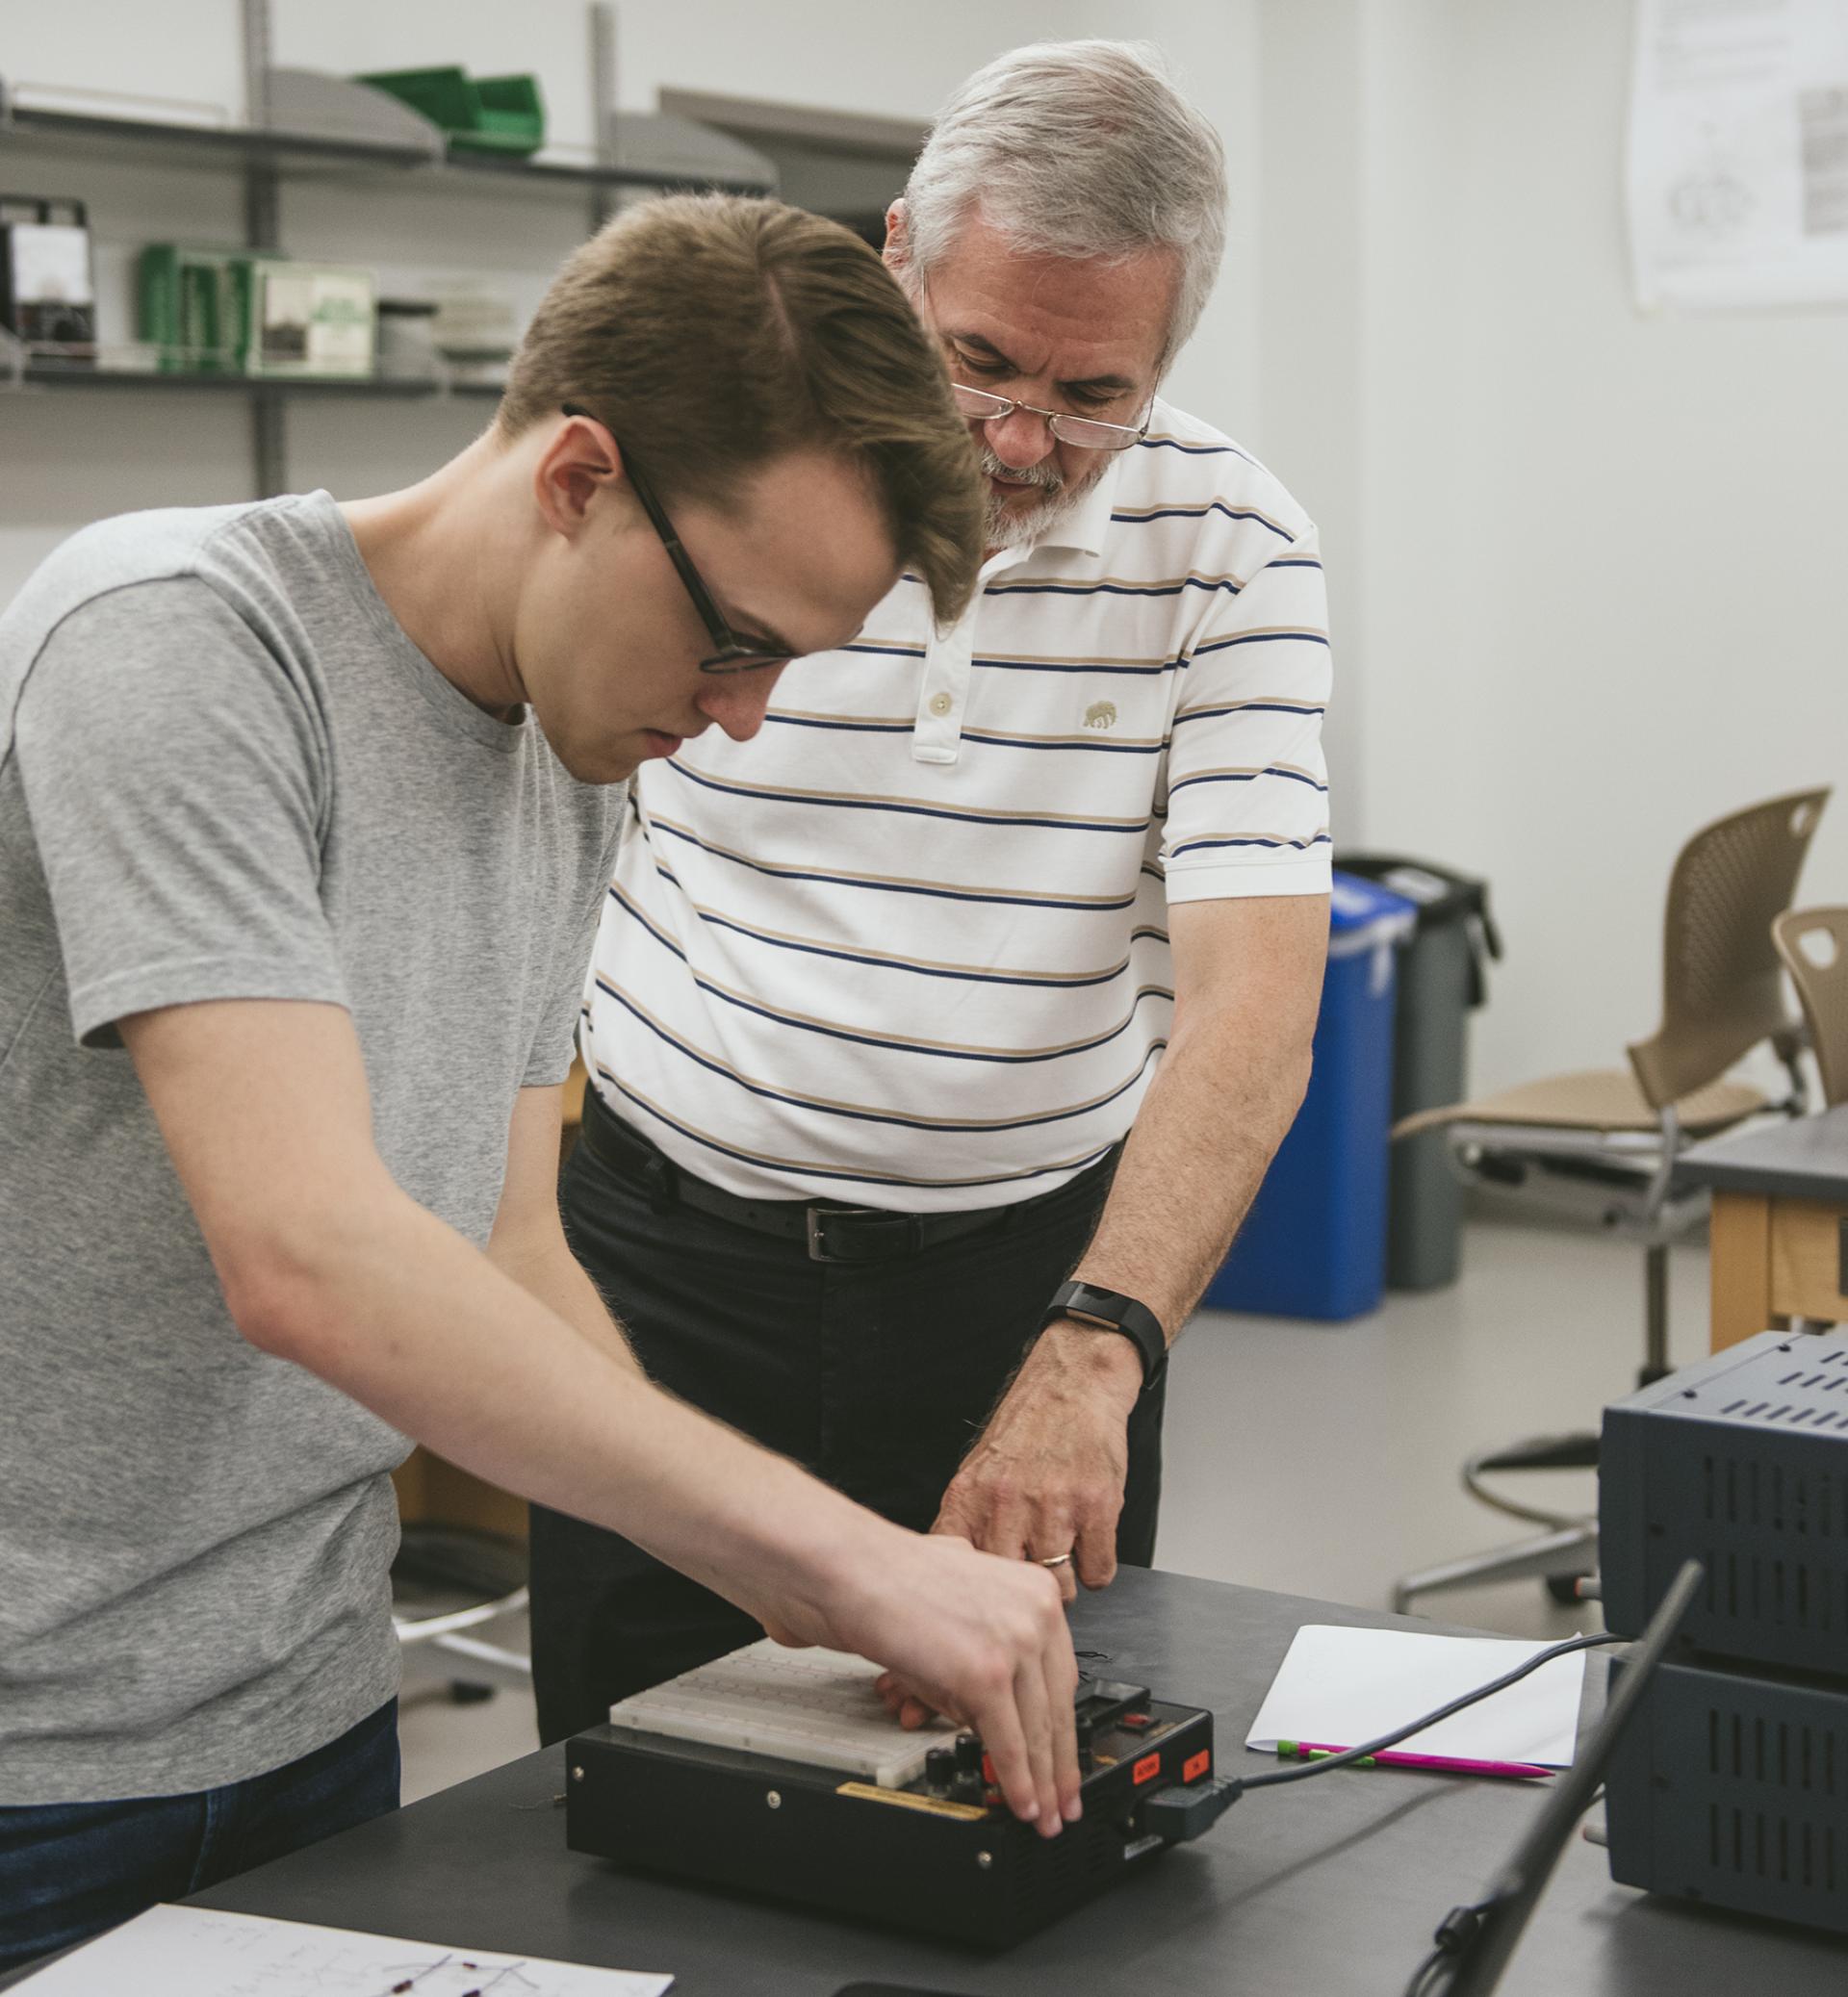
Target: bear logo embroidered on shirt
1100,714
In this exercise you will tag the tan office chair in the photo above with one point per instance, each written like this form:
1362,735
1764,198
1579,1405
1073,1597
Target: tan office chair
1813,944
1602,1144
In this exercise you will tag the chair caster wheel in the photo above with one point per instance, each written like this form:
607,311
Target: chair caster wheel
463,1693
1564,1588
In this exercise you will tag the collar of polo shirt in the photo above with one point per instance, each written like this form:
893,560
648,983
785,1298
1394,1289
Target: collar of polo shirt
1084,529
943,688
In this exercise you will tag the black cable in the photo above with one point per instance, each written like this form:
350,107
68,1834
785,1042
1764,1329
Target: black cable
1454,1933
1424,1978
1302,1771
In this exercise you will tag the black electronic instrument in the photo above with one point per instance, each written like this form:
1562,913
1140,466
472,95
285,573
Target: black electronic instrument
853,1814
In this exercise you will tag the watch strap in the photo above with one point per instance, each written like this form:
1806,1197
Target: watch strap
1109,1310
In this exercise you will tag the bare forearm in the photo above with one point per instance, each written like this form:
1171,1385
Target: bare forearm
554,1277
405,1317
1213,1115
1047,1474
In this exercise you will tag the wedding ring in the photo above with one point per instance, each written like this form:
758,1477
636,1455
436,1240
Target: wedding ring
1056,1560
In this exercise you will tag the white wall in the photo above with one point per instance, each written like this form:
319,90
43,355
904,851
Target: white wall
1591,593
1584,564
69,458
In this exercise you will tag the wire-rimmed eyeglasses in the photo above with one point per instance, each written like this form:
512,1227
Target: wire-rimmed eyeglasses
1085,431
734,651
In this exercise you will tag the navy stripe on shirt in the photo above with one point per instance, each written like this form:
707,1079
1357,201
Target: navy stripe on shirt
1136,519
863,1115
818,1171
857,1038
904,806
1101,904
1245,777
712,919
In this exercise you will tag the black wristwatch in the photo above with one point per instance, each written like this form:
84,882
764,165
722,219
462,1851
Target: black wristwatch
1109,1310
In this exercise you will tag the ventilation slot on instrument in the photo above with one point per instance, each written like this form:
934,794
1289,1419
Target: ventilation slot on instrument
1774,1754
1074,1863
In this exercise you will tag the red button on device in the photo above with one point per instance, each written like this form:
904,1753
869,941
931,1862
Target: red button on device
1146,1769
1197,1765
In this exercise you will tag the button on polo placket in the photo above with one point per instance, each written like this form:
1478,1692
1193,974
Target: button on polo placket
943,691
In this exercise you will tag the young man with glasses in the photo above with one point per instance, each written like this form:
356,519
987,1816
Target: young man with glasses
306,811
876,1006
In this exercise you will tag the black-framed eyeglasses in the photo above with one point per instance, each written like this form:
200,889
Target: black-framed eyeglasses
734,651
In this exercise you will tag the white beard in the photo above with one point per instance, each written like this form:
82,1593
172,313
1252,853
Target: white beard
1012,527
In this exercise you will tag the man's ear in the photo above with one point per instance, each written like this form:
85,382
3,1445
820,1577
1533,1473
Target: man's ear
898,240
579,465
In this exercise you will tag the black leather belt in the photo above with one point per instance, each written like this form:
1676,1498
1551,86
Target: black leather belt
831,1233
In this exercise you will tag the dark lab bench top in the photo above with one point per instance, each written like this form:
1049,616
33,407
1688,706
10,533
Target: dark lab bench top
1803,1159
1319,1889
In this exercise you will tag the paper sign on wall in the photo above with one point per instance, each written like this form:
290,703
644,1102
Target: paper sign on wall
1738,161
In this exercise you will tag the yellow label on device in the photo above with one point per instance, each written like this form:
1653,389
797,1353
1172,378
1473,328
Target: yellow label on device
937,1805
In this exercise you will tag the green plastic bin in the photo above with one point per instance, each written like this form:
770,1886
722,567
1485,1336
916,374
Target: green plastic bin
480,114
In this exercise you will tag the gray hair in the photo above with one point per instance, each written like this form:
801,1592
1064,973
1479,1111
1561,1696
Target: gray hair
1076,149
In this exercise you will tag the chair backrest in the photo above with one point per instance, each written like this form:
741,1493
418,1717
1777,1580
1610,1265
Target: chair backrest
1722,992
1813,943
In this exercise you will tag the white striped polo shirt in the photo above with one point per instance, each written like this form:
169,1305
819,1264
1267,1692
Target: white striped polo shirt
908,947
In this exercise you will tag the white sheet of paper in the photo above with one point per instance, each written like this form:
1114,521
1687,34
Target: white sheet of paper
193,1952
1340,1687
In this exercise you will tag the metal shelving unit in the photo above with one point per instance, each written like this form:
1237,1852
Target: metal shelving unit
307,155
266,154
26,370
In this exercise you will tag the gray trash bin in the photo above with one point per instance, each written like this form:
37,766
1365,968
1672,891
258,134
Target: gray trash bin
1441,980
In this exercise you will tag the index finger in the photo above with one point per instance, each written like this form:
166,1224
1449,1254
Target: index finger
1093,1552
1030,1732
1061,1694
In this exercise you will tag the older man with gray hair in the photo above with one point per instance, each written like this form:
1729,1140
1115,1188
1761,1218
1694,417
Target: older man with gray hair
994,962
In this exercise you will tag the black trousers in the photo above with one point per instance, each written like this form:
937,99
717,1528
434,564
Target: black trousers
876,1376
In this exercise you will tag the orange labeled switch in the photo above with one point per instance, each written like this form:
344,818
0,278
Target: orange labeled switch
1147,1769
1197,1765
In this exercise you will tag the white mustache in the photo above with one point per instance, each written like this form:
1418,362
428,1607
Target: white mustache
1045,475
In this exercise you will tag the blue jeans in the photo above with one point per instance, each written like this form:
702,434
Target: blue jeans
68,1870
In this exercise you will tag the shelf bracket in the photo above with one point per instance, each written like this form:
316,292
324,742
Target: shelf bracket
601,77
262,230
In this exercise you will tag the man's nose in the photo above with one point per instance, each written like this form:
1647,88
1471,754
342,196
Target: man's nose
1020,440
736,700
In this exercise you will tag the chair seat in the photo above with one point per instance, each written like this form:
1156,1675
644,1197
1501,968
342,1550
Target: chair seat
1596,1099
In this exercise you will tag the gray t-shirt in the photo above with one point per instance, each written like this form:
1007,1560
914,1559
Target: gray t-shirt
225,772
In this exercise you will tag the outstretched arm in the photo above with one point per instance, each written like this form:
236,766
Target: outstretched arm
334,1268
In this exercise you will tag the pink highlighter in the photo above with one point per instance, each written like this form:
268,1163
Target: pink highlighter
1312,1750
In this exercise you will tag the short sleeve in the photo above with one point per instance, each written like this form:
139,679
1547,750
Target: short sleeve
175,776
1247,790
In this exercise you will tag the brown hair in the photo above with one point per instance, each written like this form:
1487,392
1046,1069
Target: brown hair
714,334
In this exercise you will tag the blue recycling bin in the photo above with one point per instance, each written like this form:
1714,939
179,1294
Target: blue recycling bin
1314,1243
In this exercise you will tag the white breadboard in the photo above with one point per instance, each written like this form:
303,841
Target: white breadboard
817,1706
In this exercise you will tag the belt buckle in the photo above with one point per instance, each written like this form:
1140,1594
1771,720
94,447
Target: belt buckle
816,1218
818,1241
